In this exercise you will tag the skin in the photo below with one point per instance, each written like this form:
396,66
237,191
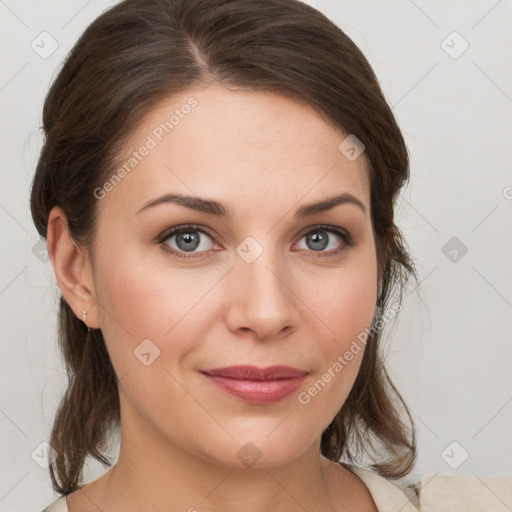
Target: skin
263,156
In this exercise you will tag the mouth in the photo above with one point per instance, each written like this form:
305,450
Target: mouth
257,385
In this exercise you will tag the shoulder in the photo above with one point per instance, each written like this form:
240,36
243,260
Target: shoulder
442,493
437,492
386,494
59,505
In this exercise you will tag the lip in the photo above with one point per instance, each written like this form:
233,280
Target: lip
257,385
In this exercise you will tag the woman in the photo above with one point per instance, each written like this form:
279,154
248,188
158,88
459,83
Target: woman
239,370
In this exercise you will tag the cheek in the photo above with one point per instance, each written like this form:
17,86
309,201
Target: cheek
347,307
346,304
354,315
356,307
141,298
133,299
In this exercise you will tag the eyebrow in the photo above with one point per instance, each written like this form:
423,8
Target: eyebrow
216,208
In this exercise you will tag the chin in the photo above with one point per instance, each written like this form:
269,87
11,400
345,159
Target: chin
259,450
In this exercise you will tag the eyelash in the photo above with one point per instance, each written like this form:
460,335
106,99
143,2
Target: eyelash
344,235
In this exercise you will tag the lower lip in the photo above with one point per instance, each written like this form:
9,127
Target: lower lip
257,392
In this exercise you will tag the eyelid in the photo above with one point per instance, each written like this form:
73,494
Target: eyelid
183,227
329,227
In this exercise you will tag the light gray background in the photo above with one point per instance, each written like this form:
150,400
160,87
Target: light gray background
451,351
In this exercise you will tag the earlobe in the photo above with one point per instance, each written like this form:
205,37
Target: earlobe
71,266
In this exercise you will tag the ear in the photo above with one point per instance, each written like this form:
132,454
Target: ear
72,267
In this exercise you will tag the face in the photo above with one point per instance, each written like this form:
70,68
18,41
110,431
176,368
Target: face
256,280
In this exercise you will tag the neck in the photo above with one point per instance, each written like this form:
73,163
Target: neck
153,474
214,488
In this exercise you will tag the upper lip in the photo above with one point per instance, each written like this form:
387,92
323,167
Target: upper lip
247,372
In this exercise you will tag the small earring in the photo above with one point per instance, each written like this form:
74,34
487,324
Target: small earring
84,314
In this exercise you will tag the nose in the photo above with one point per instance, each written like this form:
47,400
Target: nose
264,297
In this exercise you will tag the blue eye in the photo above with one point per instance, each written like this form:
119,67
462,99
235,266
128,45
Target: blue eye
187,239
320,238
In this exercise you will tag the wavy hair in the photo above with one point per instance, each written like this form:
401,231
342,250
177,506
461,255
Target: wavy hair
140,52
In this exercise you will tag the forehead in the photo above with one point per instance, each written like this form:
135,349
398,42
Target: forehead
233,144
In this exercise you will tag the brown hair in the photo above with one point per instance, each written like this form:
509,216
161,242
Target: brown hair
140,52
